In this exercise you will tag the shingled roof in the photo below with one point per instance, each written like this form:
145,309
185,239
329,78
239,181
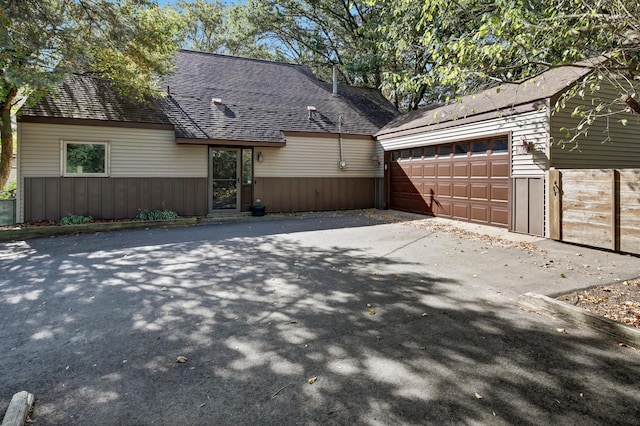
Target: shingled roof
90,98
259,101
499,101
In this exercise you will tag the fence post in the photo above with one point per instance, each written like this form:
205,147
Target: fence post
615,209
555,204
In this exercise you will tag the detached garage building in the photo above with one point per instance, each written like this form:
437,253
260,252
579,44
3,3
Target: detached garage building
485,159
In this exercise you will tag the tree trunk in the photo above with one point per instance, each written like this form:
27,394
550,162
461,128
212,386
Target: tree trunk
631,103
6,133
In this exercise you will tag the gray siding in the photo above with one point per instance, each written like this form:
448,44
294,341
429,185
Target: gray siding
617,147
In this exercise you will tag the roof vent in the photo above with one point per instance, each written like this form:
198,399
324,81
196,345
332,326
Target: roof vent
216,101
312,110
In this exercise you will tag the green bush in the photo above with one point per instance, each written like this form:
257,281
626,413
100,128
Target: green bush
75,219
9,190
157,215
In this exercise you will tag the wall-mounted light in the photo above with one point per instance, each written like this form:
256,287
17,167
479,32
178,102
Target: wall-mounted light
260,157
216,101
522,146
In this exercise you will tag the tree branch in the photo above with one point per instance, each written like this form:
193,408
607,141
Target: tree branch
631,103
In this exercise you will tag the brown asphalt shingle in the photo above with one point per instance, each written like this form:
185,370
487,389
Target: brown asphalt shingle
499,101
260,100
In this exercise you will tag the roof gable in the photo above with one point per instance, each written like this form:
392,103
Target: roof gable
259,99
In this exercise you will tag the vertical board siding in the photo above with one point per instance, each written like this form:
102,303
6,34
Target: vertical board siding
586,207
594,150
599,208
528,205
52,198
315,194
317,157
134,152
629,210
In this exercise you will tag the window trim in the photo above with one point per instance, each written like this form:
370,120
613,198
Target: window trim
63,158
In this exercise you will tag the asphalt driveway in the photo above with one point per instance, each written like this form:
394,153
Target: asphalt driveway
399,324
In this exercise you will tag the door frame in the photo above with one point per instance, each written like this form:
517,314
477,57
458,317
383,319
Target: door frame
238,179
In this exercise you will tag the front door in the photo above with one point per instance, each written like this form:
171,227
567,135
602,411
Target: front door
225,179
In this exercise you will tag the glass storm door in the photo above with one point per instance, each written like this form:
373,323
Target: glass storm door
224,179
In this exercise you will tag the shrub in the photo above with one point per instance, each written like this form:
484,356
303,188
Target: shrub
157,215
75,219
9,190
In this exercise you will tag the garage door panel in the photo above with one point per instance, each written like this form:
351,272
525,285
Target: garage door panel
395,171
499,216
461,211
416,170
429,188
500,168
499,192
443,208
479,213
461,190
472,188
444,190
480,191
429,170
461,170
444,169
480,169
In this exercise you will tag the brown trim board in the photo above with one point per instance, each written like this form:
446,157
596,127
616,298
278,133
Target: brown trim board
90,122
229,143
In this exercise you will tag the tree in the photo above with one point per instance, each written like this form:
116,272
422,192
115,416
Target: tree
129,41
473,44
320,34
219,28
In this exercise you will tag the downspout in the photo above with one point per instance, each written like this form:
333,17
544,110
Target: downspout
342,164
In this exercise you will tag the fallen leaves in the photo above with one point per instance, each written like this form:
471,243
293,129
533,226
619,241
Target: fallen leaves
619,301
181,359
478,396
313,380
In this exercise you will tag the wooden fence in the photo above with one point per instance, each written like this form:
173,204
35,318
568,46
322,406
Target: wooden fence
598,208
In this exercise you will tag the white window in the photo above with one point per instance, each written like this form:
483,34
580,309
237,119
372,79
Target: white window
85,158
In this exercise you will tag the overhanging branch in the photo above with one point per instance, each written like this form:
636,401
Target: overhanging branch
631,103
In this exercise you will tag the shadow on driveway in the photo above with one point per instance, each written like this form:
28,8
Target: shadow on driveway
92,325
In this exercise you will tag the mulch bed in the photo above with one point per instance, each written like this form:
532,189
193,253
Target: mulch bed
618,301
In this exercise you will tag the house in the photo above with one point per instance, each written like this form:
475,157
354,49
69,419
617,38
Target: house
230,133
486,158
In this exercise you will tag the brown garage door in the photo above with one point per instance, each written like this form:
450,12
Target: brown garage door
465,180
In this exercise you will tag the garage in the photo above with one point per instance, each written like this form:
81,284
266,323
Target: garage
467,180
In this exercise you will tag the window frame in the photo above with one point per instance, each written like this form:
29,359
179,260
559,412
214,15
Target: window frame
63,158
506,149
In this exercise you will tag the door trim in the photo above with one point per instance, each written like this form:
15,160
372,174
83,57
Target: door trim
210,179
